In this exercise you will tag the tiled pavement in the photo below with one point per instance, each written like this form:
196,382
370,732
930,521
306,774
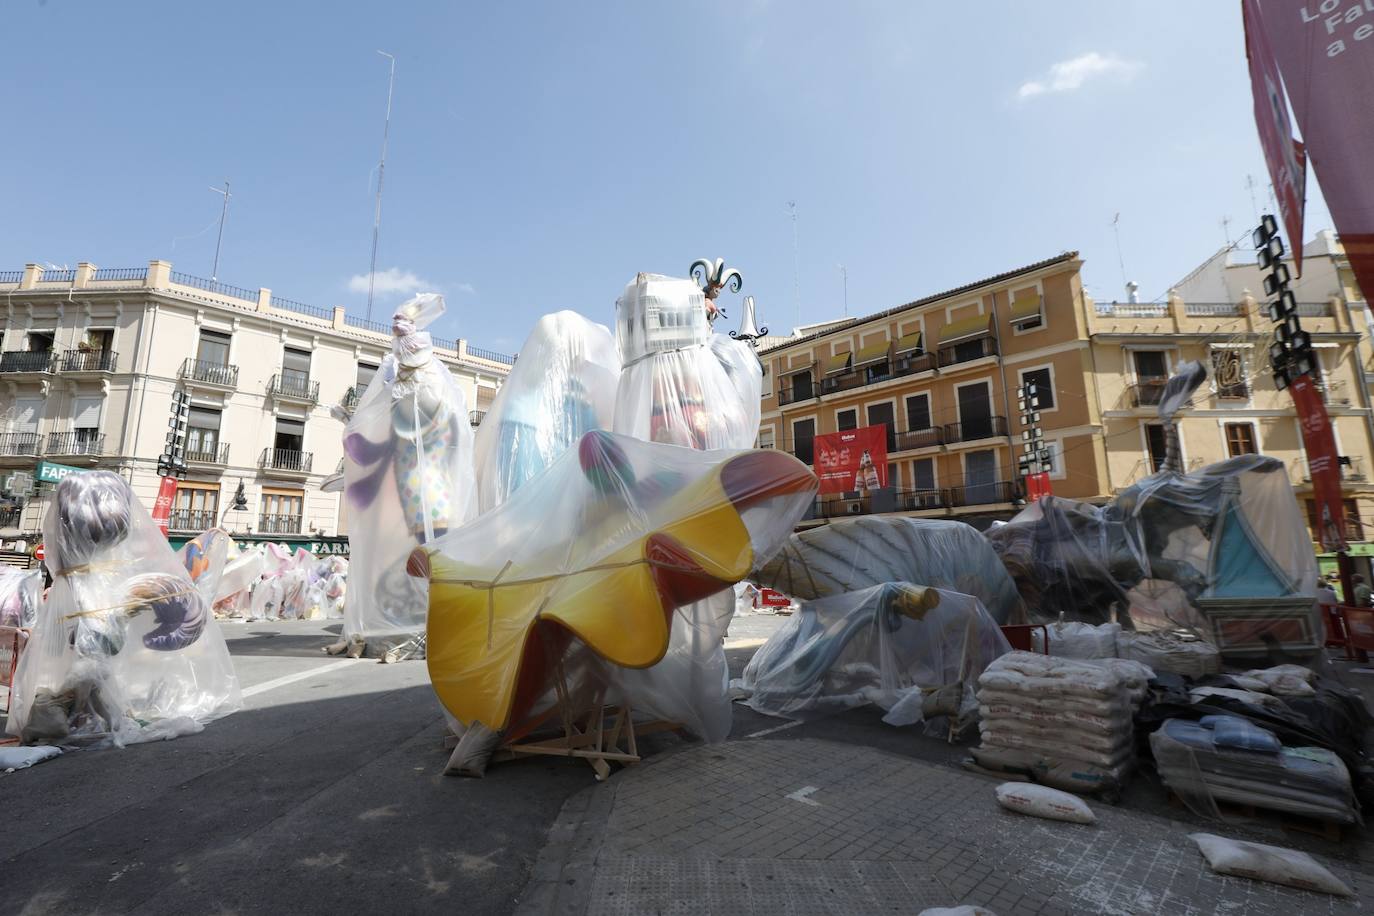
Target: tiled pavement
807,826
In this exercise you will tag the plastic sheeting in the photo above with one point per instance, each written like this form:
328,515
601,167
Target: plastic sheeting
563,385
884,645
125,647
409,475
856,554
589,560
1230,535
21,590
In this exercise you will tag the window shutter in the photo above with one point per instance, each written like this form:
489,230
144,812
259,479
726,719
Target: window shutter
86,414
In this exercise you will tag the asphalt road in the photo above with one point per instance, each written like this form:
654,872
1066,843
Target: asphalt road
325,794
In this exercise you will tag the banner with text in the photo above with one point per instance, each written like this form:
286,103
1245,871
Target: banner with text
162,506
1322,463
1325,51
1285,156
855,459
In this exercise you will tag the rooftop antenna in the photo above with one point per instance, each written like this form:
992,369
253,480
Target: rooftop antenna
381,175
1254,205
223,213
844,275
1226,229
1116,230
796,260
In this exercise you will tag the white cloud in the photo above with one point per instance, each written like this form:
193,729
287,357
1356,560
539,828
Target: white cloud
1068,75
391,280
466,288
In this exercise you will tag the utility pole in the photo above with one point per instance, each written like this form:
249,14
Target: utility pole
844,275
381,175
223,214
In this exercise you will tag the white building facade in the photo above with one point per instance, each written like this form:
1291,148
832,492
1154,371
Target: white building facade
90,359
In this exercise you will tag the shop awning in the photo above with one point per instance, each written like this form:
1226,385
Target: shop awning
909,342
1025,309
967,329
837,363
871,353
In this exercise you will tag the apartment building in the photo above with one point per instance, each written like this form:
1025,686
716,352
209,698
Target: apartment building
941,375
1136,346
90,359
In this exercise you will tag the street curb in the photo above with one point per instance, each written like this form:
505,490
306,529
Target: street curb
561,880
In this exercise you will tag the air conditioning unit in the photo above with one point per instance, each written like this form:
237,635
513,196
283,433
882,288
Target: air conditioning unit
855,508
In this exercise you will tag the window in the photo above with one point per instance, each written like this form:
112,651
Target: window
1354,527
202,433
923,474
801,385
1151,364
804,440
882,413
196,507
281,512
1156,445
1043,380
365,373
918,411
295,370
1240,439
213,349
1026,311
975,411
980,477
41,341
766,439
1228,369
290,435
86,420
846,419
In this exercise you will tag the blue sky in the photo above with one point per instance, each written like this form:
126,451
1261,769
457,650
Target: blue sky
542,153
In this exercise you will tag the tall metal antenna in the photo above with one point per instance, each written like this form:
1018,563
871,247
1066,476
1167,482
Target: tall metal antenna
1254,205
223,213
844,274
1226,229
1116,229
796,260
381,174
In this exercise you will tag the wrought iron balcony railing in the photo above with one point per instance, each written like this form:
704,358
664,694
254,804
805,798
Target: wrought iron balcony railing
26,361
979,494
294,385
282,459
972,430
211,373
76,443
192,519
211,454
279,524
20,444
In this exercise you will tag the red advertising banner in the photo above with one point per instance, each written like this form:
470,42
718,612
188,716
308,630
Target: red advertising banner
855,459
1322,464
1285,156
162,506
1037,485
1325,50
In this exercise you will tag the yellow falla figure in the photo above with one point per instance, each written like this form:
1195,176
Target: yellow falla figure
601,548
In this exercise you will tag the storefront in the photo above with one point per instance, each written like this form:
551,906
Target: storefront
319,546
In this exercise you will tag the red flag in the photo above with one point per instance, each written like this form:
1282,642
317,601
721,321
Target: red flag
1325,50
855,459
162,506
1322,463
1285,156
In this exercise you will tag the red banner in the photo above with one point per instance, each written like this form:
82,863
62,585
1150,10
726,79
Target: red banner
1037,485
855,459
162,506
1325,50
1285,156
1322,464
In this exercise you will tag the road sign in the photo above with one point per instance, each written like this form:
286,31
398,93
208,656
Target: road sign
19,484
38,553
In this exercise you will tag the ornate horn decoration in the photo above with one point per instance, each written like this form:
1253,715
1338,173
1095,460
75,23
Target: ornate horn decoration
715,276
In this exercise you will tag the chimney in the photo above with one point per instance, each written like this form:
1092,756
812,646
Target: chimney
1132,291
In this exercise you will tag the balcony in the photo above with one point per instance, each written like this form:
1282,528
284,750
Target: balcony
795,393
89,361
192,520
19,445
974,430
286,461
11,517
918,500
982,494
1351,467
1132,309
1147,392
1334,393
914,363
76,444
967,352
475,417
206,372
351,397
920,438
294,386
26,361
214,454
1212,309
279,524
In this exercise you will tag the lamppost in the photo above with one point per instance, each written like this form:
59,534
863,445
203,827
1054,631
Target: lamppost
714,276
748,330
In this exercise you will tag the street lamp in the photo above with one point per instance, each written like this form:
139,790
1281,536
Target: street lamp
748,329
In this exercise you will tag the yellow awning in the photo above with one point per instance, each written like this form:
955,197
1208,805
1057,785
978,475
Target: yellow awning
1025,309
837,363
871,353
909,342
977,326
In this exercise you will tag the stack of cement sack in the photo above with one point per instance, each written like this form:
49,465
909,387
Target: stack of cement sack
1062,722
1158,650
1229,759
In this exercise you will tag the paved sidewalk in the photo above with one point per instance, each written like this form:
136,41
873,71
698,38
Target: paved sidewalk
808,826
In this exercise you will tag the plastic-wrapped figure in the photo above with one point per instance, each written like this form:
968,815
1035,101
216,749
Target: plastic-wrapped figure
409,476
682,385
563,386
125,648
20,592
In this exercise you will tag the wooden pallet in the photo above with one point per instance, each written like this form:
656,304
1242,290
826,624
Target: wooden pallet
1293,823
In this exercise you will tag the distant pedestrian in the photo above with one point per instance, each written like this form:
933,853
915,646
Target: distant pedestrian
1362,593
1326,594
